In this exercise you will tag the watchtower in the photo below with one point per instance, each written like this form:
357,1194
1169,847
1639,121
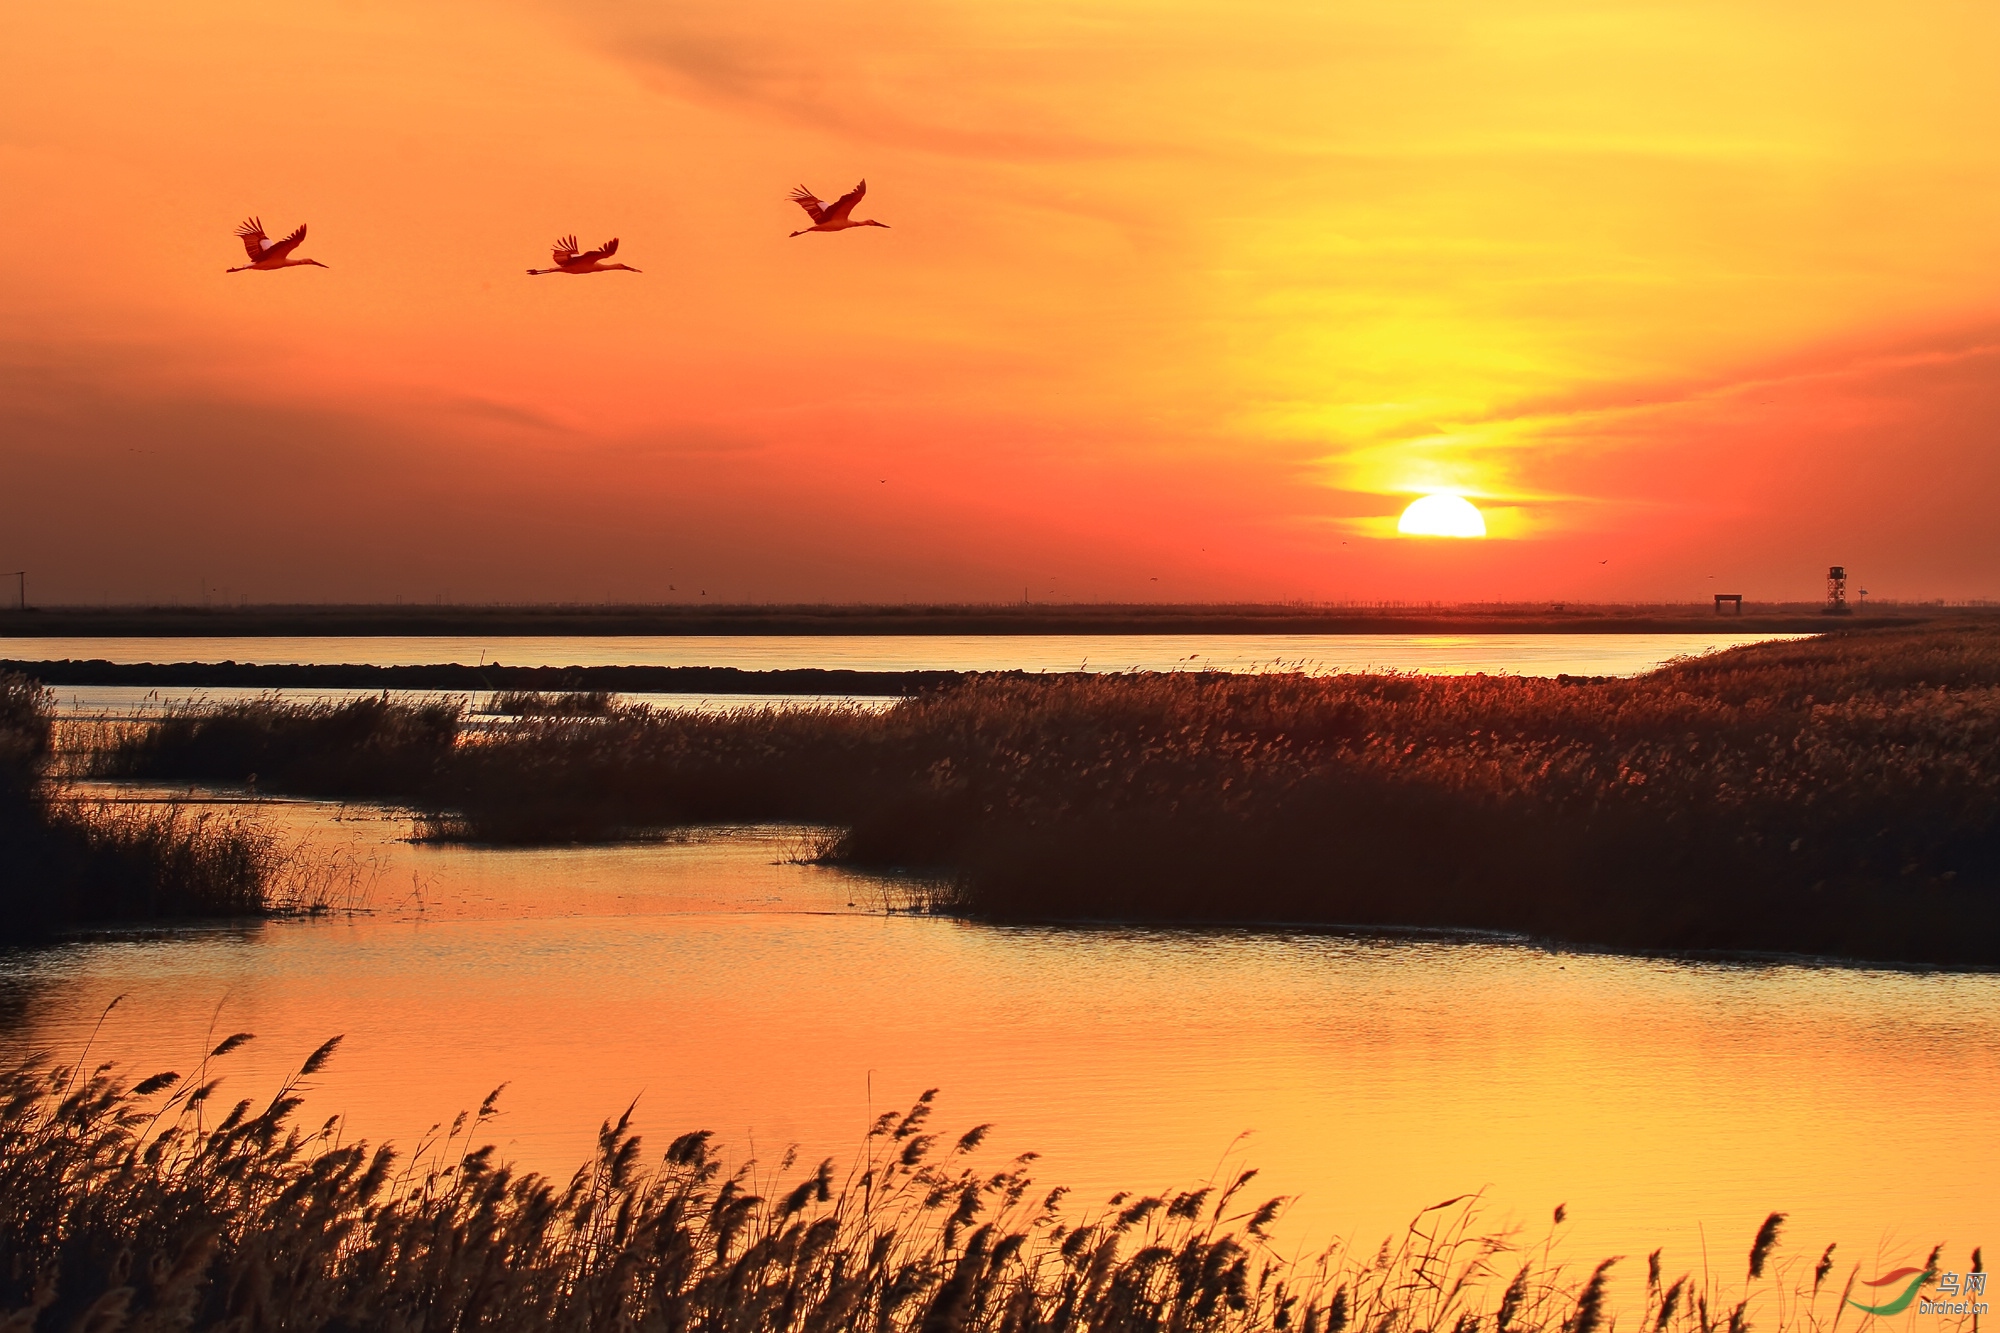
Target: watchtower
1836,590
1735,599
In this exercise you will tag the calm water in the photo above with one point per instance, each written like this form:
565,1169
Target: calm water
1667,1103
1517,654
115,702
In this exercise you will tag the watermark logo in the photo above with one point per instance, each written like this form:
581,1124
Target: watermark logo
1916,1277
1949,1285
1955,1293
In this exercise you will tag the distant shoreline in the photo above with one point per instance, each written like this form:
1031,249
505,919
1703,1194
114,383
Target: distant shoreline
939,619
451,676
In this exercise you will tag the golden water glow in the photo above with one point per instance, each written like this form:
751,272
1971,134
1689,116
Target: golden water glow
1441,516
731,991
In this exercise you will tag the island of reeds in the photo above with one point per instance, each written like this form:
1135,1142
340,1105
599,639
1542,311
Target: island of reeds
1833,796
151,1207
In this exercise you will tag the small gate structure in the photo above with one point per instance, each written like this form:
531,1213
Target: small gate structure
1735,598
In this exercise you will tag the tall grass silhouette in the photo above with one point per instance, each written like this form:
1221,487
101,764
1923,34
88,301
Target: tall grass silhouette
65,861
149,1206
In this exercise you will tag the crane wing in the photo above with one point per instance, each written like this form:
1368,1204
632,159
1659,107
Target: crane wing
279,249
604,251
564,251
809,201
845,204
252,232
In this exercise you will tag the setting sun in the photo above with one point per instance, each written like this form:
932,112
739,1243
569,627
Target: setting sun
1442,516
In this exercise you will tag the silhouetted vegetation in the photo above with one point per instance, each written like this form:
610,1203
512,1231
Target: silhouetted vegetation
145,1208
534,703
1839,795
492,676
63,862
371,748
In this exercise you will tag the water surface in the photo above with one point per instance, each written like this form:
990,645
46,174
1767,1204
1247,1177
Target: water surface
135,702
1667,1103
1516,654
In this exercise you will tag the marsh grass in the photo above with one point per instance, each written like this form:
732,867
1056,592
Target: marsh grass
150,1207
163,860
76,742
66,861
360,749
312,879
533,703
1839,795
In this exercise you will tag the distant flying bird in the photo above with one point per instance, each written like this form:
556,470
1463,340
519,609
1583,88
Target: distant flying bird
832,217
569,259
265,253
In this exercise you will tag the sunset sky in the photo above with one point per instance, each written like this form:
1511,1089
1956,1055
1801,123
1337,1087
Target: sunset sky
1178,300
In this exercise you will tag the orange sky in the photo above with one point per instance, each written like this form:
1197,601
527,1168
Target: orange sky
1179,300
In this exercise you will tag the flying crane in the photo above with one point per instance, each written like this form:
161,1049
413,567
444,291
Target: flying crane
834,216
570,259
267,254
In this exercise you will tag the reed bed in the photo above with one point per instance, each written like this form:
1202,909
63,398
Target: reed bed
537,703
1833,796
154,861
66,861
149,1207
363,749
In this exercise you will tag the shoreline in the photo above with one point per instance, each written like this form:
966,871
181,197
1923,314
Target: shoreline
1549,944
931,620
154,927
453,676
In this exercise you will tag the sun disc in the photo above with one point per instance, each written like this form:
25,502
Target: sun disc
1442,516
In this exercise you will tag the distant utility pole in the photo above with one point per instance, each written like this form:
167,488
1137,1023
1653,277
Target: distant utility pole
20,576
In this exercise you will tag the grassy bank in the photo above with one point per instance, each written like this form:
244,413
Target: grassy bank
148,1207
64,862
1836,796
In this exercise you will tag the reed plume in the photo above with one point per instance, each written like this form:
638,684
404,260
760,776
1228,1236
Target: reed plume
1767,1240
1590,1303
